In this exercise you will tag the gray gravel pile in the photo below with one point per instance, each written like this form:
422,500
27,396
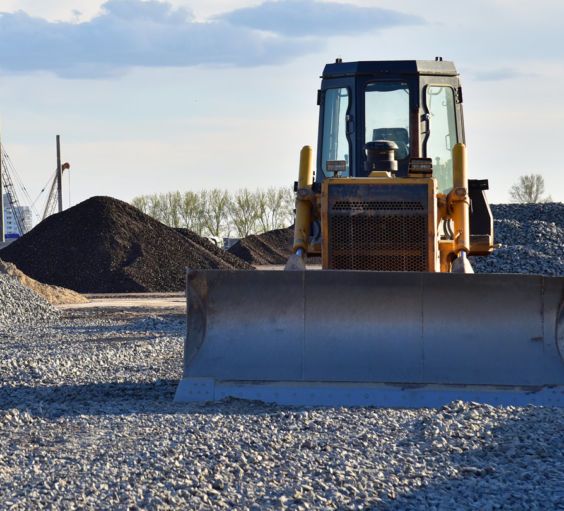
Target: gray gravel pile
88,421
19,304
531,237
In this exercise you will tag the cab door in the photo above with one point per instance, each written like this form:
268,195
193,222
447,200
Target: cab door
442,131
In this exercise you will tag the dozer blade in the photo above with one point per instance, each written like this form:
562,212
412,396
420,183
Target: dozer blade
373,338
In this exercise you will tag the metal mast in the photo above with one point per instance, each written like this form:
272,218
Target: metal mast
59,175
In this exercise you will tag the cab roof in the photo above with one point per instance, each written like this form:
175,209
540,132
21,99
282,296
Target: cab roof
387,67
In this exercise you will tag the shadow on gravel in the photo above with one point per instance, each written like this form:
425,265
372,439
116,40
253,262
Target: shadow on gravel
151,324
115,399
91,399
518,466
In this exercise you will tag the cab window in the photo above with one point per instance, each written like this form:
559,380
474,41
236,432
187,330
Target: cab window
387,114
335,142
442,137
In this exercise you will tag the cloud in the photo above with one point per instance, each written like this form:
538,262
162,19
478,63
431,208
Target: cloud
309,18
153,33
133,33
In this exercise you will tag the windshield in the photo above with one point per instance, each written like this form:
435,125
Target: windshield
442,138
335,143
387,114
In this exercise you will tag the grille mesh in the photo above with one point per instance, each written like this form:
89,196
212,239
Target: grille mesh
377,205
377,235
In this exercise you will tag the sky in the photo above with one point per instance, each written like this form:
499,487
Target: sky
157,96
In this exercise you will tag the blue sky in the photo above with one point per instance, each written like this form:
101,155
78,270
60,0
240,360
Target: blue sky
155,96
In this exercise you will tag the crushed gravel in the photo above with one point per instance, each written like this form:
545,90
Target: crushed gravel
53,294
88,422
18,304
531,237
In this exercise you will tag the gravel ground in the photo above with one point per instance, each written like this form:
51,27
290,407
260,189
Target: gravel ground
531,237
88,421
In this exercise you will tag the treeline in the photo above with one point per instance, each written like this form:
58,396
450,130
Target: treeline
221,213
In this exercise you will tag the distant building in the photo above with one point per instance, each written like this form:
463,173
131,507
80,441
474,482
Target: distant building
10,221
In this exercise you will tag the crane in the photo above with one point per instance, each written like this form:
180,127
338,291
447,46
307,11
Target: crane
7,172
52,198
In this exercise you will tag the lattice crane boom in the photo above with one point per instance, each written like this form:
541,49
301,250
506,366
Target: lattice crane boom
11,192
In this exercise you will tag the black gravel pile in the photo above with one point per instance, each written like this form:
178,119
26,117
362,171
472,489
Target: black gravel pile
272,247
531,237
212,249
104,245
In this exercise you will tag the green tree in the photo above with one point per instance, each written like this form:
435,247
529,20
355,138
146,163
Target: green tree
192,212
530,188
275,208
172,209
141,203
244,212
216,212
157,207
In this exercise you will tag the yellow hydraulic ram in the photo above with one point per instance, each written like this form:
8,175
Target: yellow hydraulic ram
458,202
303,210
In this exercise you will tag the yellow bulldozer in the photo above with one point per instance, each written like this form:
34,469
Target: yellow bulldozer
395,316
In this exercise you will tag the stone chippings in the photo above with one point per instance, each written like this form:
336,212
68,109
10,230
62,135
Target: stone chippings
531,237
88,422
19,304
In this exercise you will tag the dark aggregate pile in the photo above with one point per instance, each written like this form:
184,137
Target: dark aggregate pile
104,245
272,247
212,248
531,237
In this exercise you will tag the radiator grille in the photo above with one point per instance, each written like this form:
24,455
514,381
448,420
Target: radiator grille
380,235
373,205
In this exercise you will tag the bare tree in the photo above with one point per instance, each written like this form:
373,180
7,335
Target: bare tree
287,208
216,212
162,207
156,207
192,212
275,208
244,212
530,188
172,209
141,203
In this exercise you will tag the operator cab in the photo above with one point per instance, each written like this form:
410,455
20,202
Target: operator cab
415,103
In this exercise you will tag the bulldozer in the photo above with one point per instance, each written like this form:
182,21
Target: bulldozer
395,316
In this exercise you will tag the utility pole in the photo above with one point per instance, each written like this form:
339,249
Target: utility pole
2,233
59,174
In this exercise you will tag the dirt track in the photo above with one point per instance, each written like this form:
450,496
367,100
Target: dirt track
131,304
